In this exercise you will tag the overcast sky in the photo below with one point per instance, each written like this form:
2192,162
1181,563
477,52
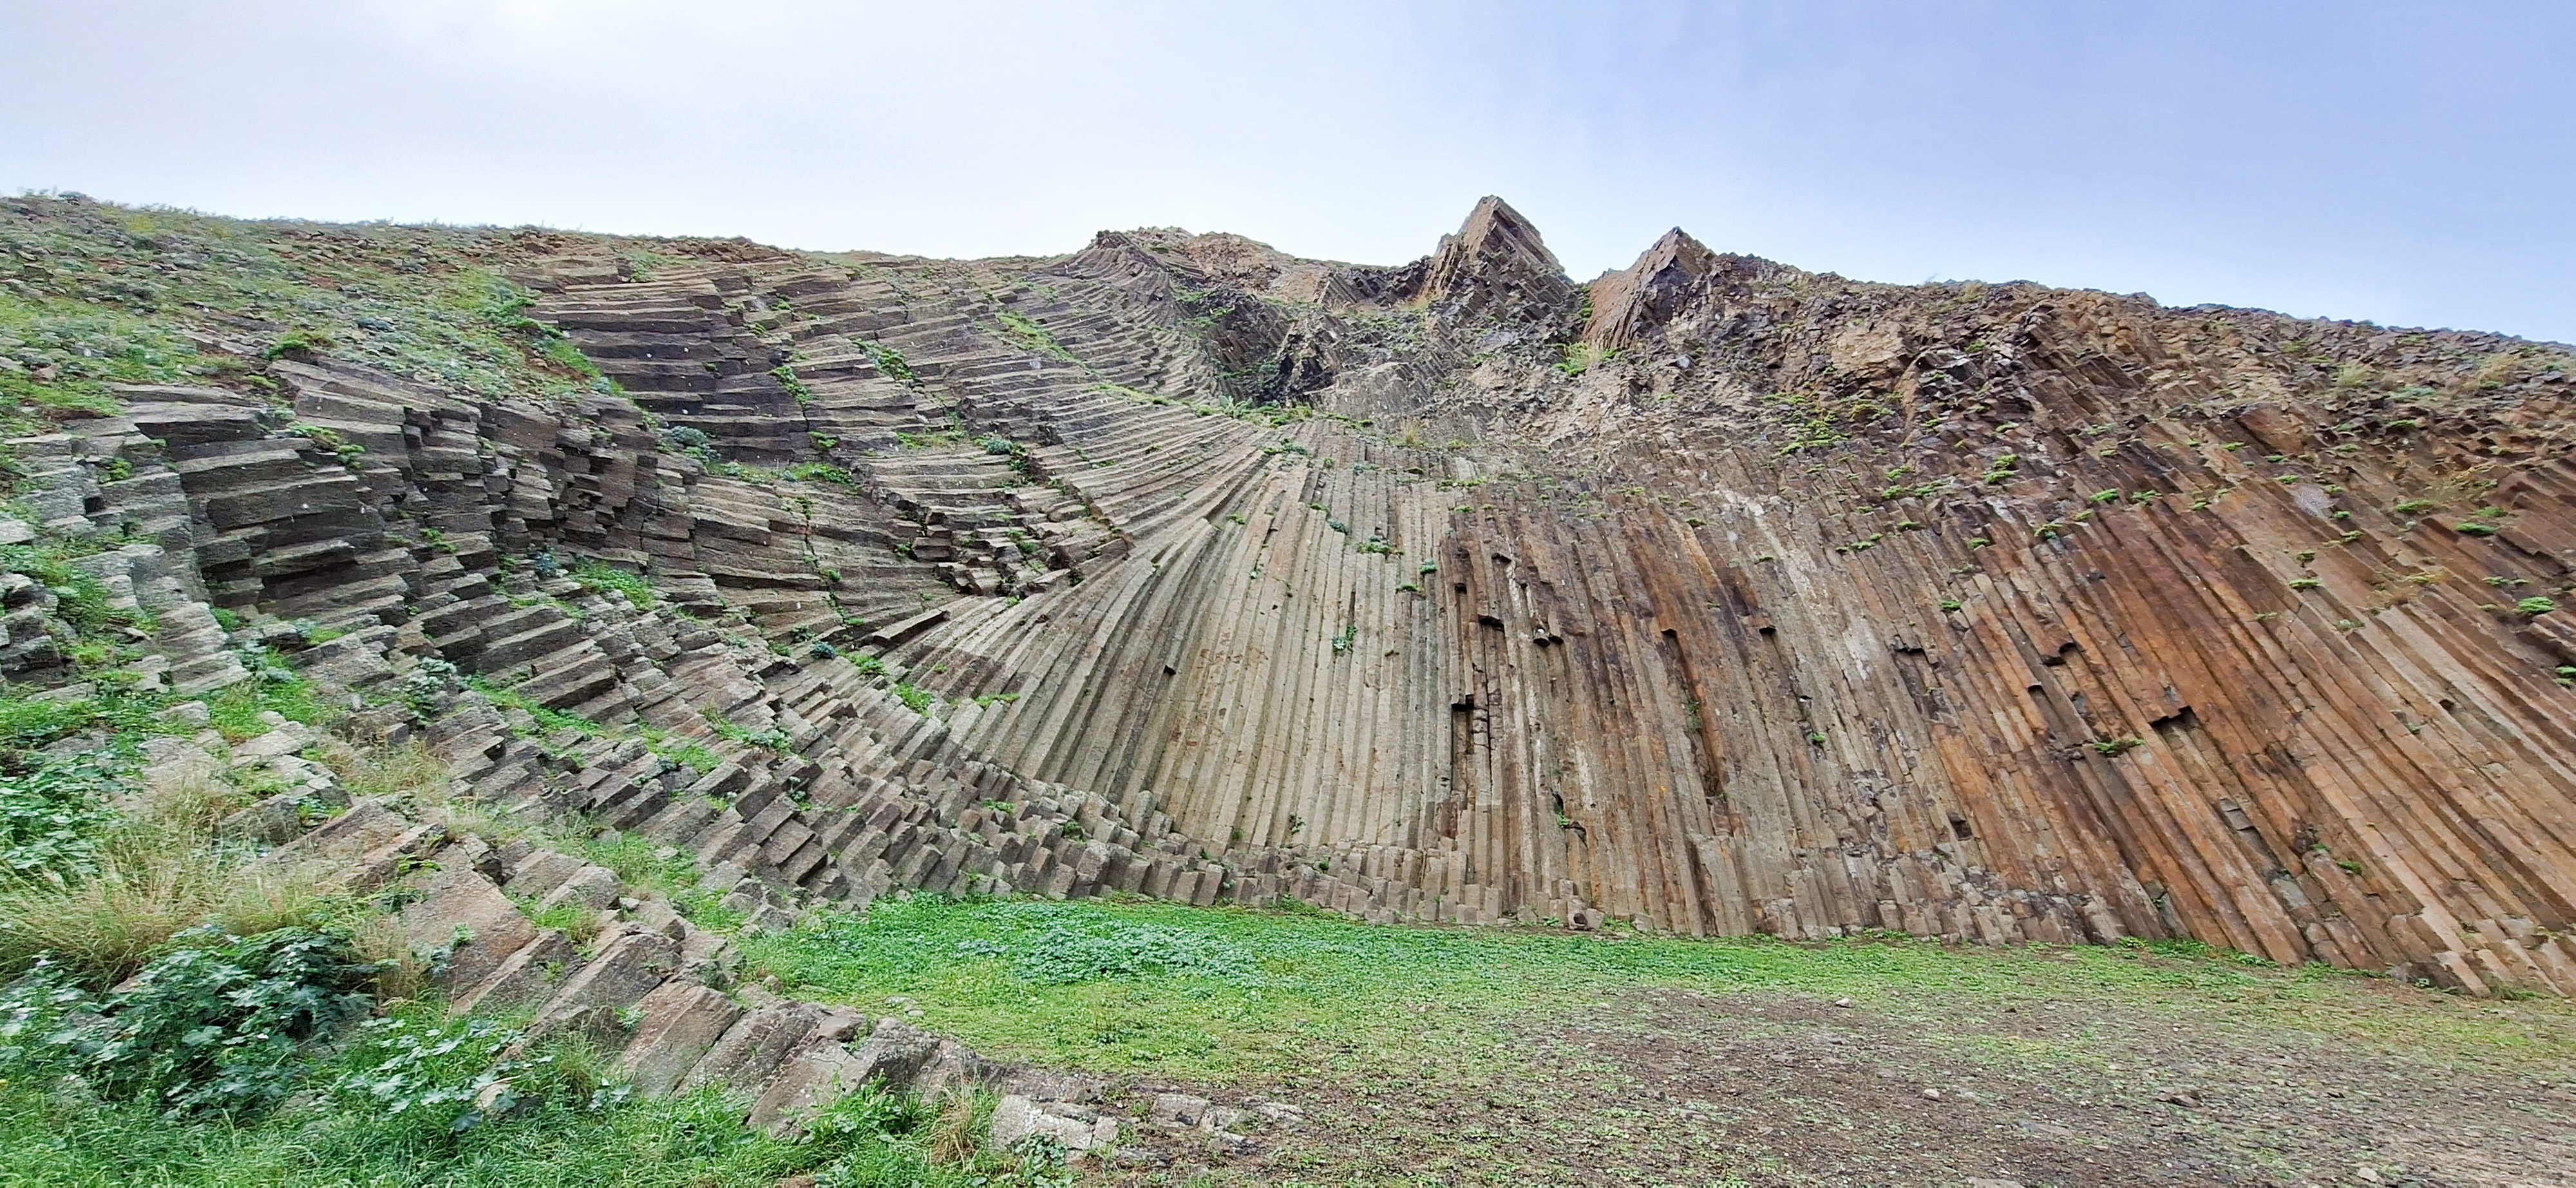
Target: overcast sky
2408,164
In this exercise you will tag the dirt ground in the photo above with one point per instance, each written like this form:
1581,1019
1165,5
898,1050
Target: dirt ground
1663,1087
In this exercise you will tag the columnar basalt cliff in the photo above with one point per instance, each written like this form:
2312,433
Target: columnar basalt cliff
1716,595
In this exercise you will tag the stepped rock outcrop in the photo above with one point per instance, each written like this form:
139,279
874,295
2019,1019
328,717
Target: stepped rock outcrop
1719,596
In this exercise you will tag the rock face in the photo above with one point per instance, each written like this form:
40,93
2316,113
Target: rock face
1753,600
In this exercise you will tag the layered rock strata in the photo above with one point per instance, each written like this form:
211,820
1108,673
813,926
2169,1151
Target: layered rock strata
1714,595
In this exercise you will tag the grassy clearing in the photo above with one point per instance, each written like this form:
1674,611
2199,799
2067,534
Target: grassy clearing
1229,993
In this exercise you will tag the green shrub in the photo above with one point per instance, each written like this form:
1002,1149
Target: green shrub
50,816
695,1140
889,360
869,1112
297,344
2534,605
213,1025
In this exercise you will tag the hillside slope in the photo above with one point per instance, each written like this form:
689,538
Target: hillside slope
1713,595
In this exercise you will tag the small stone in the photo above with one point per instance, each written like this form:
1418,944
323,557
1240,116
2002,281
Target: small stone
1016,1118
1179,1110
1137,1157
2367,1173
1842,1002
1931,1095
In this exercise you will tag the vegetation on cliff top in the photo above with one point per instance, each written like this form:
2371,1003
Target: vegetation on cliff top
92,293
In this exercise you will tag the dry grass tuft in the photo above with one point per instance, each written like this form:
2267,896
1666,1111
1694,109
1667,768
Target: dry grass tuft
413,775
2451,488
401,972
160,872
408,772
959,1130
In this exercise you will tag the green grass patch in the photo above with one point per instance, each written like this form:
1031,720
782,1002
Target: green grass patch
551,721
108,283
1029,336
691,755
1229,993
641,862
237,708
81,601
693,1141
818,472
735,732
